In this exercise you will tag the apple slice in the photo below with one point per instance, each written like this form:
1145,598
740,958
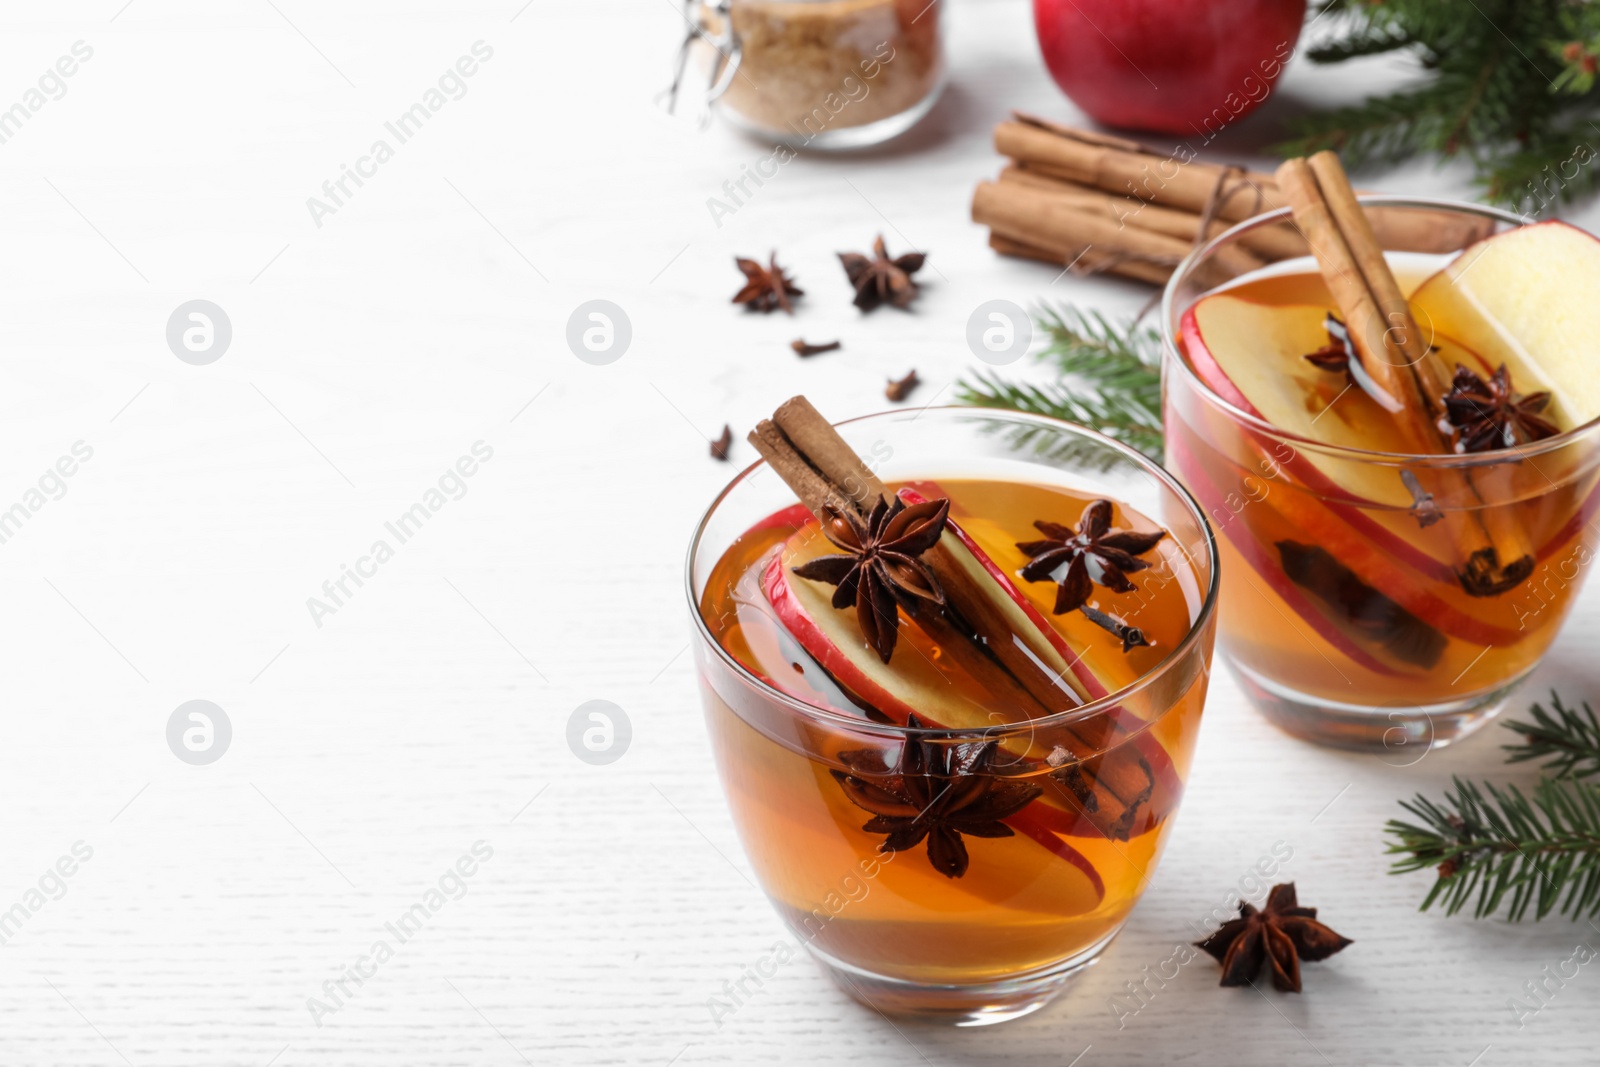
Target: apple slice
1215,334
1210,498
1526,298
1051,647
1249,354
913,685
1045,640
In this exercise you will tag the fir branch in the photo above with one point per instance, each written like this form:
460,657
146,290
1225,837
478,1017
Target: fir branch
1111,378
1496,847
1365,41
1086,339
1530,181
1381,129
1509,84
1568,740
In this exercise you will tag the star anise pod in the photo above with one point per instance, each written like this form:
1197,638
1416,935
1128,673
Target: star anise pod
879,568
881,279
1490,414
936,792
1282,932
1094,553
765,288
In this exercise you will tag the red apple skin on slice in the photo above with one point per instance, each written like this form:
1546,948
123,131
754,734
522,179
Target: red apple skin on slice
827,633
1033,823
792,517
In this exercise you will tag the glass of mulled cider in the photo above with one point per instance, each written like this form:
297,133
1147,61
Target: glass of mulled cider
956,807
1378,594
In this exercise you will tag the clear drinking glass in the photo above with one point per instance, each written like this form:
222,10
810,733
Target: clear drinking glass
1344,612
1033,907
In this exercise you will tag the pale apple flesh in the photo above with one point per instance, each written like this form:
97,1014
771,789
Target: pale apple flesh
1528,298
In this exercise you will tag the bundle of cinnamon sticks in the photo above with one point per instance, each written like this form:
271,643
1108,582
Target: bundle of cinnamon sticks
1100,203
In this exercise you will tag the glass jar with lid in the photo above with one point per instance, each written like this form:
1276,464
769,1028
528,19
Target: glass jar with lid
821,74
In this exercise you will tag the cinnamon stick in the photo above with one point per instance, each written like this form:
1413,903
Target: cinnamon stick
1047,221
1432,381
1129,214
1084,261
1271,243
1111,784
1494,552
1130,169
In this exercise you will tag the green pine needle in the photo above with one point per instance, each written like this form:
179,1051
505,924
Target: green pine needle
1495,847
1568,740
1110,378
1508,84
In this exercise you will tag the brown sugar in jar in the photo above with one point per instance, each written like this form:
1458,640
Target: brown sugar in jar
825,73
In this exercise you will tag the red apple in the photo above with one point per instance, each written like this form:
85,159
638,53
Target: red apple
1186,67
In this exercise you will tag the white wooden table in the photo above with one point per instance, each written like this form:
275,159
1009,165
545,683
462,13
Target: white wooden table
374,745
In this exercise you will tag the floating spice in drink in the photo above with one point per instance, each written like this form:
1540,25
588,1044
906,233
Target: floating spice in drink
953,710
1399,455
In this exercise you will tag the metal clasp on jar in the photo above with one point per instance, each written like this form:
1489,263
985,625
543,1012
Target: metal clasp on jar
722,70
